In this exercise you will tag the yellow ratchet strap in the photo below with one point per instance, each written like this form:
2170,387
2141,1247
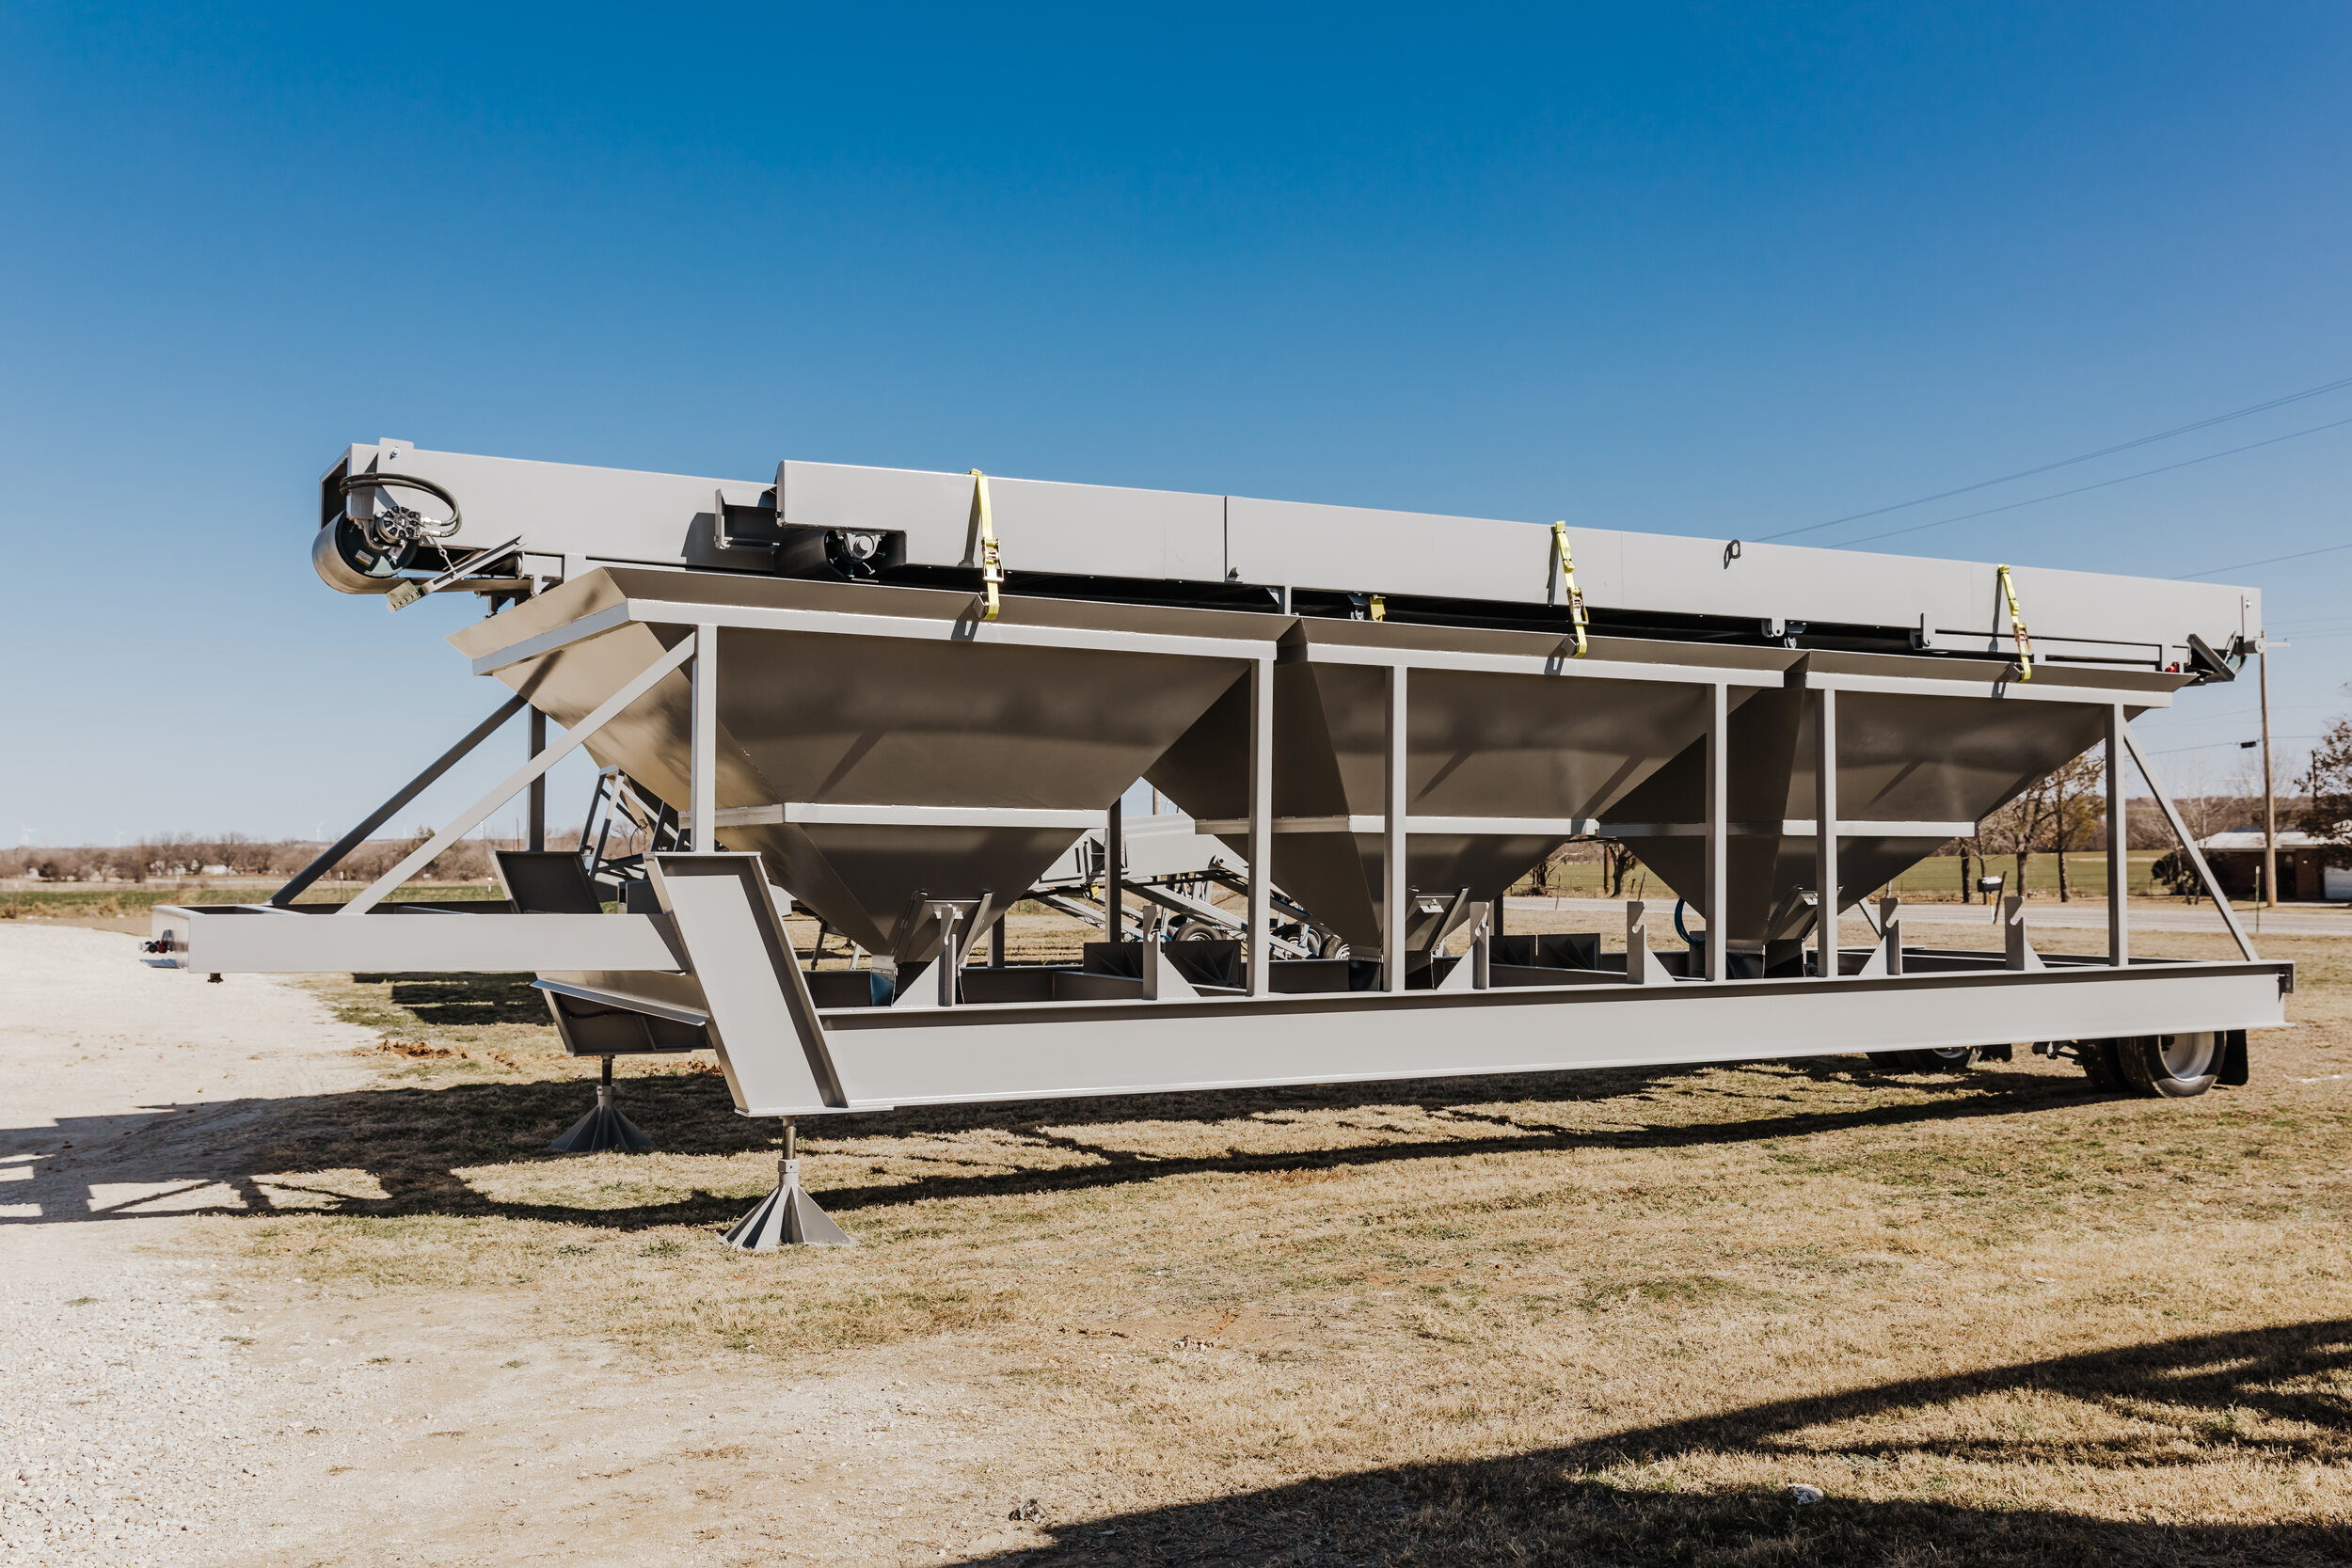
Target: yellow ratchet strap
992,563
2017,627
1379,607
1567,582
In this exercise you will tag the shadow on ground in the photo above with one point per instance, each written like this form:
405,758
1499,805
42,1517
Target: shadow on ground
1587,1503
414,1141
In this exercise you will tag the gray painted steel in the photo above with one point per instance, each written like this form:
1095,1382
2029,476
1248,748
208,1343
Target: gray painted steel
255,939
1054,1049
761,1019
572,519
904,766
878,743
874,743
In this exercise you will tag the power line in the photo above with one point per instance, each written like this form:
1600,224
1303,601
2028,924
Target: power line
2062,495
2238,745
2069,461
2269,560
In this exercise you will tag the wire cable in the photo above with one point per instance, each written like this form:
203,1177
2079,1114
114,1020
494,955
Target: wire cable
2268,561
2069,461
2083,489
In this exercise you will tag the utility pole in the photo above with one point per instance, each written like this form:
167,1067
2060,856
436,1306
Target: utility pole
2270,796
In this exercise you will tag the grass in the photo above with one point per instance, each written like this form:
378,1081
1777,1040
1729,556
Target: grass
109,900
1936,878
1606,1317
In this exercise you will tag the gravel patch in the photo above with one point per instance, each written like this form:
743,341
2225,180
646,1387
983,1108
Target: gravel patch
135,1426
128,1426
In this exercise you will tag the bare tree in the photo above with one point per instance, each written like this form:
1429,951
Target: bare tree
1971,855
2076,807
2018,828
2205,810
2328,782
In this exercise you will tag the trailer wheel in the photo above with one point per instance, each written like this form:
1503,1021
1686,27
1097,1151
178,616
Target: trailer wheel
2172,1066
2101,1064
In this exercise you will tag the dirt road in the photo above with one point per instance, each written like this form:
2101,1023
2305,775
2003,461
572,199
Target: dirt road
161,1406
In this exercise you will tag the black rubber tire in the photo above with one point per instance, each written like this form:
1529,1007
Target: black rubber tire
2101,1065
2172,1066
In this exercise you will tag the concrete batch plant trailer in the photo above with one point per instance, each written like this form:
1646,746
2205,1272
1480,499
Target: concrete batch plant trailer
897,698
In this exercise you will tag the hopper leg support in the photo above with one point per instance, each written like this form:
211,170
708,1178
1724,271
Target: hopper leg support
603,1127
787,1216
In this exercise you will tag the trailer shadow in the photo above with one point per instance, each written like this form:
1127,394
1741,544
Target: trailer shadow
457,999
2275,1397
416,1143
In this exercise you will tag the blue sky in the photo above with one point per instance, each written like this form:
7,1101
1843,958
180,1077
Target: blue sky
1714,270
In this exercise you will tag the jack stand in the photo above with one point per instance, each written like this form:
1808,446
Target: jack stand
787,1216
603,1127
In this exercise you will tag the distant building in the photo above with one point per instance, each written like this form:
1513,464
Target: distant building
2236,858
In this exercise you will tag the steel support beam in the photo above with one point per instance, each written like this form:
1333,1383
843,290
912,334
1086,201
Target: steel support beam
1038,1051
536,833
611,708
2118,843
1393,805
1793,827
335,853
771,1044
1825,830
1502,827
946,970
232,941
1563,663
1717,877
1260,764
2002,690
926,629
1115,871
702,761
905,816
2188,845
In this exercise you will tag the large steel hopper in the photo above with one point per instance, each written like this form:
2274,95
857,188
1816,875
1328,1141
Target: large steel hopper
1506,765
821,715
1938,762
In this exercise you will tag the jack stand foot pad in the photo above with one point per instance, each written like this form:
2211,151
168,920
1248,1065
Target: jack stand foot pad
602,1128
786,1217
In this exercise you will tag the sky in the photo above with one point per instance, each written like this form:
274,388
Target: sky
1713,270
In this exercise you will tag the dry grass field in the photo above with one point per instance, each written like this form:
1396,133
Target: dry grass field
1609,1318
